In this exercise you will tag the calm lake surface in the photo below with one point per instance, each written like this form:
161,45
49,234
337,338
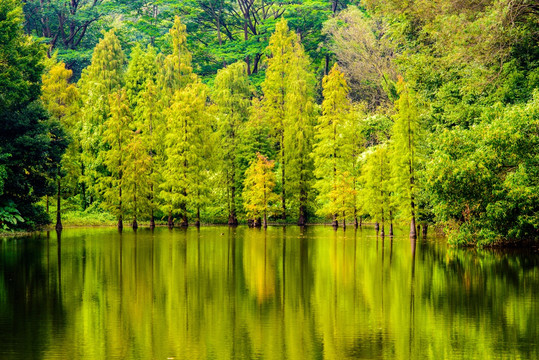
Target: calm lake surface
284,293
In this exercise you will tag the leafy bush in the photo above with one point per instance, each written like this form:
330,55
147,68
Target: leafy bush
9,216
486,178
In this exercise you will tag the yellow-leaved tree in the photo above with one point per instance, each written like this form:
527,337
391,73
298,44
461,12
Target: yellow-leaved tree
258,196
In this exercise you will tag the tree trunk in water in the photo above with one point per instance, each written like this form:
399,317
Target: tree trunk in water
391,223
265,220
413,233
120,223
425,230
356,223
197,222
232,219
377,227
302,218
335,222
343,220
183,209
283,199
258,222
152,221
83,190
382,232
170,220
58,210
184,222
135,223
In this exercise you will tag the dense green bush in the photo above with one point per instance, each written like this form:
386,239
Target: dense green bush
486,178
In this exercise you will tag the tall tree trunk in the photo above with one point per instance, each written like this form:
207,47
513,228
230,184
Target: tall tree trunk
135,224
197,222
152,220
413,233
382,231
302,217
425,229
170,220
232,218
58,208
183,208
283,166
335,222
120,217
391,223
256,62
343,220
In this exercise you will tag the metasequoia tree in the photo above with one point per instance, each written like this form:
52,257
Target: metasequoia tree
232,93
117,136
405,139
288,105
186,139
258,194
103,77
328,149
376,185
60,99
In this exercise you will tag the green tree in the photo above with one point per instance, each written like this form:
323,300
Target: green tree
149,120
288,104
60,99
406,136
103,77
377,185
299,123
117,136
31,143
258,195
274,88
232,95
328,149
177,69
185,168
137,177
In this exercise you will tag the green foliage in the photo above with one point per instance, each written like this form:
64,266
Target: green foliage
10,217
406,159
231,93
103,77
329,149
117,136
259,199
484,179
376,184
34,143
288,106
185,167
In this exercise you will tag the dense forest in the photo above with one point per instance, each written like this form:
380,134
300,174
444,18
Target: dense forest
424,113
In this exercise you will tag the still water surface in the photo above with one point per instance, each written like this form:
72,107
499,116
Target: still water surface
284,293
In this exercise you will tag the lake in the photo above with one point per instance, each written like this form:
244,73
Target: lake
284,293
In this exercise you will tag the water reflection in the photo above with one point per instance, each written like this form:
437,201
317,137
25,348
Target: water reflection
249,293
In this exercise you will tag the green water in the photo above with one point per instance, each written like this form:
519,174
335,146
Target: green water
220,293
